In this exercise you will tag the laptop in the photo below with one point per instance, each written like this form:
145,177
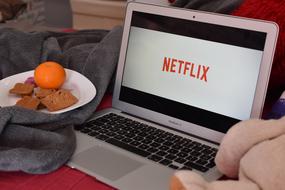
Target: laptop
184,78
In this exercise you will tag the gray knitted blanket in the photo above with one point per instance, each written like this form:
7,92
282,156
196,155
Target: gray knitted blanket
36,142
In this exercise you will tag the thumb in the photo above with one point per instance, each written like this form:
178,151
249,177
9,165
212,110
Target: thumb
187,180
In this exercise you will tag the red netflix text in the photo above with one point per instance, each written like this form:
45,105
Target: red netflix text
185,68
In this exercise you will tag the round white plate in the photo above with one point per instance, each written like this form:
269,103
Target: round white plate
81,87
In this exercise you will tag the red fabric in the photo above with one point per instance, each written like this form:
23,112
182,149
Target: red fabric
271,10
64,178
106,102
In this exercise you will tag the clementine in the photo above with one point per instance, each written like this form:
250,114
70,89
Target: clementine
49,75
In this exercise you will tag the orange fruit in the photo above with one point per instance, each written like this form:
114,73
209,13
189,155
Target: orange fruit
49,75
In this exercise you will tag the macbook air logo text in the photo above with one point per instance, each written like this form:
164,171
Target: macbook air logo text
174,123
185,68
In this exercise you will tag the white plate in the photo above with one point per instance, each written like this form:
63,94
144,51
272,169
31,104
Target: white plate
81,87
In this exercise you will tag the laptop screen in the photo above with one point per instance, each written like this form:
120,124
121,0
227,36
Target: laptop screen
197,72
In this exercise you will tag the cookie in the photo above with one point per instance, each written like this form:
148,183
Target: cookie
42,93
59,100
22,89
28,102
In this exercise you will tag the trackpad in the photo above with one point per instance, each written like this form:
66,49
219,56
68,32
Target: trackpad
106,163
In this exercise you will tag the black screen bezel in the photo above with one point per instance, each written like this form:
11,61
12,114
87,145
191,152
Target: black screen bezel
242,38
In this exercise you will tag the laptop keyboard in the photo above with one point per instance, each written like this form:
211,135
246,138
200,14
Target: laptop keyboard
155,144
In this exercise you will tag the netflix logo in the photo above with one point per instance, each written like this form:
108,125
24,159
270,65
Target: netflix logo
186,68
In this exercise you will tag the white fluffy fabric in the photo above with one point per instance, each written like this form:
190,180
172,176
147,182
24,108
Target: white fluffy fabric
252,152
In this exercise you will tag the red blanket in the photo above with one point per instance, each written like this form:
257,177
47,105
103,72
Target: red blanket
272,10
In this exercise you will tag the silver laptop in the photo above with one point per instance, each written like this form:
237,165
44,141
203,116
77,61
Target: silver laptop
183,79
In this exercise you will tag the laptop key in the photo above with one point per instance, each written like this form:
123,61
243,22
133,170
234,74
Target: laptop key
152,150
176,146
207,151
205,157
172,151
102,137
116,129
154,144
197,143
135,143
138,138
196,166
103,131
158,140
96,128
110,134
129,135
184,141
143,147
102,120
182,154
171,156
202,162
210,165
180,160
195,153
168,143
119,137
93,133
146,141
164,148
142,134
187,150
165,162
161,153
155,158
126,140
121,132
197,148
173,166
128,147
186,168
191,158
190,145
214,151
